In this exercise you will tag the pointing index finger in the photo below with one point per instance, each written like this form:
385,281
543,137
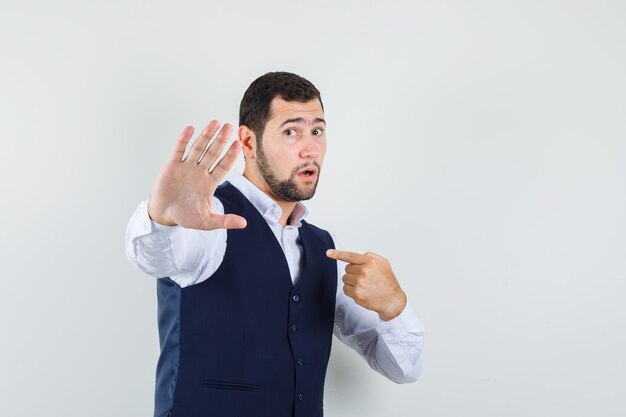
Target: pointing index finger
346,256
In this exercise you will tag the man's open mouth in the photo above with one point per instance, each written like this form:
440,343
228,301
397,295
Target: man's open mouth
308,173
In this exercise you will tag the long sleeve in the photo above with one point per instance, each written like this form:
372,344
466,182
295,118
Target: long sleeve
392,348
187,256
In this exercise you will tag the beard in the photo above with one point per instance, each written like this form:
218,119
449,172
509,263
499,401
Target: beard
286,190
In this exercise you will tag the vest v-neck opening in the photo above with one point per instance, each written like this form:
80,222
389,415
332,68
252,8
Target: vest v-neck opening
266,227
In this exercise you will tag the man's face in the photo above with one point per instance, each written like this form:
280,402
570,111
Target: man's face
291,152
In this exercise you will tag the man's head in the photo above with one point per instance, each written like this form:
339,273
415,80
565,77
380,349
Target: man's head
282,130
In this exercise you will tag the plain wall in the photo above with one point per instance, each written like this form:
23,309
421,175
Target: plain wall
479,146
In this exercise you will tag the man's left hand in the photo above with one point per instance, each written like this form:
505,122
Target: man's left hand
370,282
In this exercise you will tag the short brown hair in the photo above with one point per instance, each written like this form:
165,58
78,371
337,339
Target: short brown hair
254,110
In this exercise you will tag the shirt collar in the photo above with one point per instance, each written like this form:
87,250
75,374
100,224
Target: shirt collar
265,205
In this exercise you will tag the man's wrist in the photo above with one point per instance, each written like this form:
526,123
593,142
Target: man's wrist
162,220
395,309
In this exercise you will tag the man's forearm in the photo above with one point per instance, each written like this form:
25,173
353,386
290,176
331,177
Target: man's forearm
172,251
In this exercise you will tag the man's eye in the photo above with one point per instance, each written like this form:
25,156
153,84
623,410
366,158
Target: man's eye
318,131
290,132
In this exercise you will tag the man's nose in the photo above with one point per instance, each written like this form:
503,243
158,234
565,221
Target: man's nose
310,147
309,153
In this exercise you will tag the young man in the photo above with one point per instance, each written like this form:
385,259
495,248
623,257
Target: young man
249,293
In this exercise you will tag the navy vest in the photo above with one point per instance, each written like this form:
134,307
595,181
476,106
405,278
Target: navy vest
246,342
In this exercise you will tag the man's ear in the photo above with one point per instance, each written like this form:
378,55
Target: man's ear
248,140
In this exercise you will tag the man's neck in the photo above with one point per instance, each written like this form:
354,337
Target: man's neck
286,207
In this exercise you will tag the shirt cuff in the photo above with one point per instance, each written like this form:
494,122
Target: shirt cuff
144,225
406,321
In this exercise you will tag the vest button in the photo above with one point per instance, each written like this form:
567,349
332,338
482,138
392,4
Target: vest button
293,327
300,397
299,361
295,298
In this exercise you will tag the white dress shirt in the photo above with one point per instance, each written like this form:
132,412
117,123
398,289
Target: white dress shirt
189,256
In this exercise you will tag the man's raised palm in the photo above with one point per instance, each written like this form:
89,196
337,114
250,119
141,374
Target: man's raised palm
184,188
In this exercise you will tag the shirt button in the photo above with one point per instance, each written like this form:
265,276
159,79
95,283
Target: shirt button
293,327
295,298
300,397
299,361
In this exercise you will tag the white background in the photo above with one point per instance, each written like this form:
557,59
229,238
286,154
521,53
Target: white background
479,146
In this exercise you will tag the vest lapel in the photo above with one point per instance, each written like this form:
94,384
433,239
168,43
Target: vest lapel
310,268
268,237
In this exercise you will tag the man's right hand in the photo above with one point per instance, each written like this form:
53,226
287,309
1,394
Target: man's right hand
184,188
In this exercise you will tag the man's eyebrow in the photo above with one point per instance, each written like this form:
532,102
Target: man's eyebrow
301,120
